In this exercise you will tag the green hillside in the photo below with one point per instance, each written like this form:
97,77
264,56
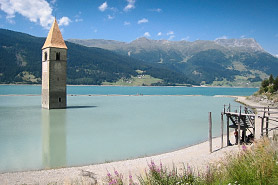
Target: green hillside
20,62
228,62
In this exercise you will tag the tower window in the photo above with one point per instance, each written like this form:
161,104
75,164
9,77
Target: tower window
58,56
59,99
45,56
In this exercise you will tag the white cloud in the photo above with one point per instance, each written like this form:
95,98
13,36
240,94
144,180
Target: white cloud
110,17
171,37
35,10
126,23
113,9
170,33
159,34
130,5
186,38
156,10
147,34
64,21
242,36
78,20
144,20
11,21
222,37
103,6
276,55
95,30
53,1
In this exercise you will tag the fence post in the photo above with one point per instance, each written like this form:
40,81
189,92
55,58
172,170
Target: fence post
238,128
222,127
228,131
262,124
266,123
210,133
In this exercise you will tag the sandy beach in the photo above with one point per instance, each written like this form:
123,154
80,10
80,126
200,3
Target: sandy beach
197,156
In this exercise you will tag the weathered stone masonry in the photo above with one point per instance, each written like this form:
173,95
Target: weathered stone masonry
54,70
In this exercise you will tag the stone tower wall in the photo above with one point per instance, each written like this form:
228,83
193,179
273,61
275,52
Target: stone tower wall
54,75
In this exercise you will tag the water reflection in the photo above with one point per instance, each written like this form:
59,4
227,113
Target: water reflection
54,138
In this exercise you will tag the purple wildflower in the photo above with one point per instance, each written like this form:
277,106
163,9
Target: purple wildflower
116,173
152,164
244,148
108,174
130,179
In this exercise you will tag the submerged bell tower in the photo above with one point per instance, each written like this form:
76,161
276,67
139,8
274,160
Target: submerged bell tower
54,70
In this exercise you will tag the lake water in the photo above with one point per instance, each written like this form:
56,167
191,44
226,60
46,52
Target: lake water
120,90
97,129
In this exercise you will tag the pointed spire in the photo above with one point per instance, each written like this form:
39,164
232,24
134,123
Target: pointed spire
54,38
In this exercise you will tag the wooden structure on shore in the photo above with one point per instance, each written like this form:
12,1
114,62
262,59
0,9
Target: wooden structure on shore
268,121
242,120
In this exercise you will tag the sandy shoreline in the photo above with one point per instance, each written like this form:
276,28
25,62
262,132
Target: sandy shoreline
197,156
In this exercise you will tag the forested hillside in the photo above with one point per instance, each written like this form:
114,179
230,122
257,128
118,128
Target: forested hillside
20,62
228,62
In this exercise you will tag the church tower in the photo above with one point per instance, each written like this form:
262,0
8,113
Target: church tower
54,70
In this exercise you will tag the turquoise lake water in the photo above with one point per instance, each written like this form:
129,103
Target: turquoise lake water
120,90
97,129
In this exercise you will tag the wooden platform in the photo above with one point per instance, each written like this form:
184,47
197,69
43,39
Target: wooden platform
242,120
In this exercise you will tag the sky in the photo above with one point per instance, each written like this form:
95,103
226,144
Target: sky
127,20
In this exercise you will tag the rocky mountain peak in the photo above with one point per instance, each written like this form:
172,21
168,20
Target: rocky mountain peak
141,39
244,43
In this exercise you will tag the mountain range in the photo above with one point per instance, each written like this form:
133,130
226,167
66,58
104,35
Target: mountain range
229,62
20,62
236,62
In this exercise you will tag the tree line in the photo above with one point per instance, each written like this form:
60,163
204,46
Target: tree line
269,85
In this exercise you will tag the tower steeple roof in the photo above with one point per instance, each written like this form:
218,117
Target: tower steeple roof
54,38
